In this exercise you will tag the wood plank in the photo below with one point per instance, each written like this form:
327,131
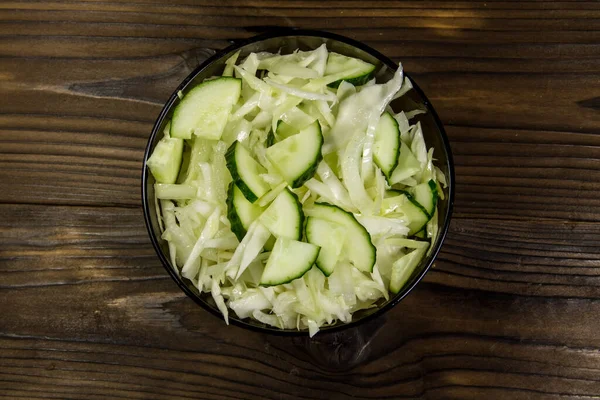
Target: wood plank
114,324
478,101
353,4
127,79
84,245
497,174
470,10
496,178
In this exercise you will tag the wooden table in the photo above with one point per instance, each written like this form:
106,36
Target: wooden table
510,311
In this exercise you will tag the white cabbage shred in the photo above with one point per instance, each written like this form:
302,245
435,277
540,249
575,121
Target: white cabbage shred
293,88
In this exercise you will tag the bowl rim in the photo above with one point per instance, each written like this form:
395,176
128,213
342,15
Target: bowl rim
237,44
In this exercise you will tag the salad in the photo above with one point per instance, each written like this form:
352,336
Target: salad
289,189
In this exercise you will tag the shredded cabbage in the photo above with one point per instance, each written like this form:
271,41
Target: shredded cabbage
351,175
300,93
228,71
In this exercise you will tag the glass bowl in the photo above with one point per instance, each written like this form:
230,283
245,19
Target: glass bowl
287,41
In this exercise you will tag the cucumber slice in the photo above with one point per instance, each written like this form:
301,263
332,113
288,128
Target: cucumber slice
240,212
407,166
421,234
359,72
197,152
285,130
245,172
408,243
404,267
416,216
297,118
289,260
358,246
330,237
184,171
172,191
425,194
284,217
270,139
165,161
391,202
386,147
297,157
270,243
204,110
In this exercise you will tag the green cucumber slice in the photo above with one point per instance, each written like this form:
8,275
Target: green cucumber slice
415,215
285,130
358,246
404,267
270,243
196,152
408,243
270,139
173,191
284,217
359,71
330,237
245,172
240,212
386,146
297,118
204,110
165,161
392,201
421,234
425,194
289,260
297,157
407,166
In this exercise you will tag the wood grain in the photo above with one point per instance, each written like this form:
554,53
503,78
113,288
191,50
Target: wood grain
98,315
509,311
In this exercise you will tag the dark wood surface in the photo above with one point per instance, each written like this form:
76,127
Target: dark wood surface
511,310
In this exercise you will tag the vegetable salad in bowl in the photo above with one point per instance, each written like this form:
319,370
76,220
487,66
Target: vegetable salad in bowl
290,191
